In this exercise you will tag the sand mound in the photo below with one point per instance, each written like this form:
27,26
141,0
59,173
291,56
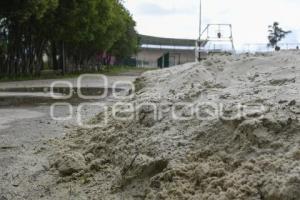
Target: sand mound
225,129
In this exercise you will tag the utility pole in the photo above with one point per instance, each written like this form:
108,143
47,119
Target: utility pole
198,43
200,20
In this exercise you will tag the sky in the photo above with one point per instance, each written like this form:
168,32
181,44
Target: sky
250,19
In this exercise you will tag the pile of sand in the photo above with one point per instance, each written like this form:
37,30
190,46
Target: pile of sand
243,141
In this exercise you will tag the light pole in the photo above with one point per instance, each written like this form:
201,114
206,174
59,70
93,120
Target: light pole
198,42
200,20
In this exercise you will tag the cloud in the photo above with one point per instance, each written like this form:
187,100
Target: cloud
150,8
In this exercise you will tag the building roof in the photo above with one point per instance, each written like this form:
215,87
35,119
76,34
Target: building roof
151,40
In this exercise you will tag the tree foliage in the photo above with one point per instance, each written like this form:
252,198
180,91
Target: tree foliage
73,33
276,34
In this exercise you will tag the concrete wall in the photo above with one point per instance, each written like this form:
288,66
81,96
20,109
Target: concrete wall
147,57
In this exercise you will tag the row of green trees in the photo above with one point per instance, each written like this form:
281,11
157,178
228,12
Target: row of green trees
72,33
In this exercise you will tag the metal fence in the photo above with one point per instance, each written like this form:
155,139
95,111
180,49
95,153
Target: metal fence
263,47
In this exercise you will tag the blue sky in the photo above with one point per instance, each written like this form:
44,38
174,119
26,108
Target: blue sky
250,19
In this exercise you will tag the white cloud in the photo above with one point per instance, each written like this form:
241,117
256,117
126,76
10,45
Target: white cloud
250,19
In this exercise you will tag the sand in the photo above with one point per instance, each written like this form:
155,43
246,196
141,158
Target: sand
242,142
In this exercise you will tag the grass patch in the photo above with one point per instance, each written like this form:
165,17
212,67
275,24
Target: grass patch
109,71
120,70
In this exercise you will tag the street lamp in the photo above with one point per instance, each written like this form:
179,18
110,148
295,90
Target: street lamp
198,43
200,20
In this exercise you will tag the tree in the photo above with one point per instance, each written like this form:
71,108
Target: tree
20,27
72,31
276,34
127,43
89,28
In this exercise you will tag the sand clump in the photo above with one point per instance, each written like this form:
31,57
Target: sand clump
68,164
241,140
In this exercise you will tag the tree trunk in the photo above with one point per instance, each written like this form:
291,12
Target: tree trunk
54,55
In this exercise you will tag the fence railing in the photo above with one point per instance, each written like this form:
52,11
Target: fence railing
263,47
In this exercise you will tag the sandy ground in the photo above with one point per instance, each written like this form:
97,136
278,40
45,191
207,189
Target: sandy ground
24,133
225,129
26,130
